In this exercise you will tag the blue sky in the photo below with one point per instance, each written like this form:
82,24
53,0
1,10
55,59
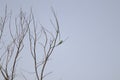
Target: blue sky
92,51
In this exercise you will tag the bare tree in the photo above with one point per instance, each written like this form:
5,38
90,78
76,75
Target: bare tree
13,49
26,27
51,41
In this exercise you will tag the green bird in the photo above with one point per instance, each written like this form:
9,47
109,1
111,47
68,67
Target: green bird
61,41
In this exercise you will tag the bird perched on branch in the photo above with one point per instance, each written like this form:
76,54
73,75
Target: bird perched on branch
60,42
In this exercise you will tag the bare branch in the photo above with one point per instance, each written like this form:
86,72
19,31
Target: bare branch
26,27
33,49
51,47
2,22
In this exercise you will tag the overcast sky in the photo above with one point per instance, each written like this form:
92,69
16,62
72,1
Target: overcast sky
92,51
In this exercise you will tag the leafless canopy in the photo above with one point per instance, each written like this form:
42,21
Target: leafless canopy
25,29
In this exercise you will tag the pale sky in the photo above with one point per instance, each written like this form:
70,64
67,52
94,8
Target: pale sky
92,51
